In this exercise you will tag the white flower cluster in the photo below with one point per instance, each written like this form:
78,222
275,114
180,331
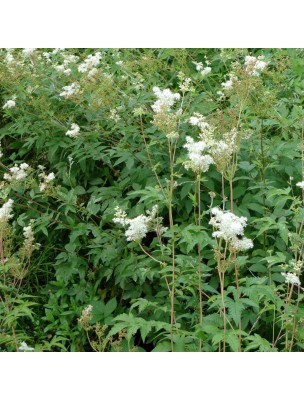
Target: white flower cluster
230,227
221,151
206,71
198,120
70,90
74,131
114,116
228,85
300,184
185,85
29,242
28,52
255,65
67,60
198,161
17,173
87,311
139,226
291,278
165,100
45,180
25,347
63,69
9,58
10,103
90,62
297,265
5,211
200,67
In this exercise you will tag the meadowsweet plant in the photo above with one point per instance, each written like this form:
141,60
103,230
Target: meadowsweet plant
151,200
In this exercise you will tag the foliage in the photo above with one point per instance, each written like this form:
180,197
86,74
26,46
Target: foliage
123,159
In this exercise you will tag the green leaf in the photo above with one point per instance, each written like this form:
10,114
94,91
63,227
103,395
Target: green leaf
235,309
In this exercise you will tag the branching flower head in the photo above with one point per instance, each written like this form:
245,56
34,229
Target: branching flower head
17,173
10,103
45,180
139,226
255,65
165,100
28,52
230,84
29,244
70,90
230,227
300,184
90,62
291,278
74,131
198,162
6,211
25,347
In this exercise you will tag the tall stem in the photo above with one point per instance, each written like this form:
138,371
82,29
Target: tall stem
222,283
235,266
171,224
199,257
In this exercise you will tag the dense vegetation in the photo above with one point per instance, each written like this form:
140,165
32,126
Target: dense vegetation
151,200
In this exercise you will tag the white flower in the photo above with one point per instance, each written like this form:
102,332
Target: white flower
228,225
291,278
198,65
45,180
254,65
70,90
50,177
42,187
25,347
74,131
185,85
198,120
139,226
28,232
165,101
59,68
9,58
24,166
227,85
230,228
28,52
69,59
17,173
9,104
241,244
58,50
120,63
120,216
114,115
47,56
5,211
206,71
92,72
87,312
90,62
300,184
198,161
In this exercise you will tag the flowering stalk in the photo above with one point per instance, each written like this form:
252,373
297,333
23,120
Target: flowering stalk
171,223
199,256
